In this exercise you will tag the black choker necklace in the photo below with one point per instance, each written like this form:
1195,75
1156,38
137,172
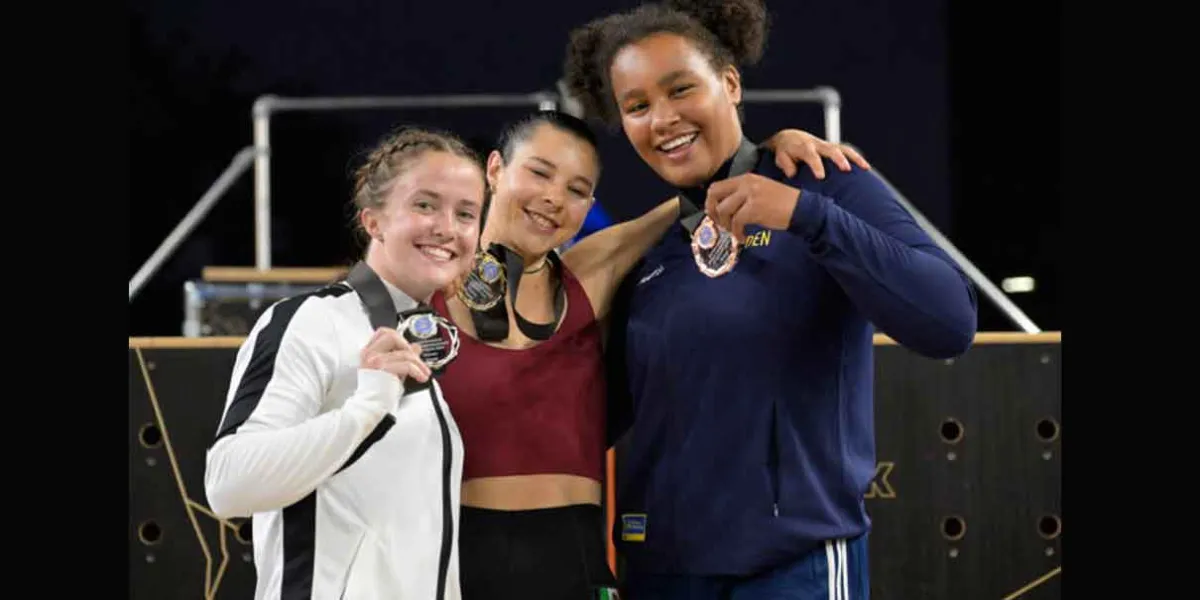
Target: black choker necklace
715,250
497,269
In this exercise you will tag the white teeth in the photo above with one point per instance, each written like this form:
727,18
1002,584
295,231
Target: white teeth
670,145
438,253
542,221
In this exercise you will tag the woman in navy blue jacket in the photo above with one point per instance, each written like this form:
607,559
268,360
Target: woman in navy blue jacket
747,331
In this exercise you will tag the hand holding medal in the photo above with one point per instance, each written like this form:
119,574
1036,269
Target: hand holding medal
390,352
713,245
436,337
749,199
422,342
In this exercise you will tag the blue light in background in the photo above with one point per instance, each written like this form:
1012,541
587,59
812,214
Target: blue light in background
596,219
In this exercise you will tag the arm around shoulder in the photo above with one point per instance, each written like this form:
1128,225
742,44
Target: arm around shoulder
276,444
601,260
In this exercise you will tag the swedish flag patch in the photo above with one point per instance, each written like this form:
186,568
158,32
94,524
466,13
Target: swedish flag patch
633,527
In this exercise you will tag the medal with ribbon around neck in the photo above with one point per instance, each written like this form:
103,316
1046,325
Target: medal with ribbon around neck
714,248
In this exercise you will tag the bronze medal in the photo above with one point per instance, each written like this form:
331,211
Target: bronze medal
715,250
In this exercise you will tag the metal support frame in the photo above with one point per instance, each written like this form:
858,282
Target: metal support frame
240,163
265,106
828,97
1011,310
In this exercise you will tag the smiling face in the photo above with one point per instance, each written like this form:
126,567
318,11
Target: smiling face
425,233
542,194
678,112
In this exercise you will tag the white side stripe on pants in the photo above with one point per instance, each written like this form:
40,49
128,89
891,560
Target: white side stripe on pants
845,569
839,572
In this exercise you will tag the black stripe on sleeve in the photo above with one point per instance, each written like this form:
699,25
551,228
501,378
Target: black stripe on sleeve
260,368
376,435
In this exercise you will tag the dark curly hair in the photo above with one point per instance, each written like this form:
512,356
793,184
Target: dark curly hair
729,32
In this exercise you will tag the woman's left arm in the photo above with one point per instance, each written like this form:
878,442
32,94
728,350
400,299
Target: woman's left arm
602,259
888,266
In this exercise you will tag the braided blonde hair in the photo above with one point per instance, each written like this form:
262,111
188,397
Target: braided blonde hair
395,154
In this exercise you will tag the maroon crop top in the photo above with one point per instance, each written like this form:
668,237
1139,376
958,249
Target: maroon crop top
538,410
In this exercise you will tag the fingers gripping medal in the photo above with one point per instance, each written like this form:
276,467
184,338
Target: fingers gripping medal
437,337
484,285
715,250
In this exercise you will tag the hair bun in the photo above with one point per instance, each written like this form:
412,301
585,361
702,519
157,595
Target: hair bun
740,25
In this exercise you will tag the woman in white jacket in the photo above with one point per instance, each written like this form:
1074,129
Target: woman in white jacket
335,438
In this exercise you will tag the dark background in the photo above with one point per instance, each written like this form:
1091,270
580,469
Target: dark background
955,103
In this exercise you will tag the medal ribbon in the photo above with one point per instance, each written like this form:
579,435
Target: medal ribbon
381,310
691,199
492,325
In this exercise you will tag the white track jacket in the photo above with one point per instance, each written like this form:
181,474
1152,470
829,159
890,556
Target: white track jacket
352,484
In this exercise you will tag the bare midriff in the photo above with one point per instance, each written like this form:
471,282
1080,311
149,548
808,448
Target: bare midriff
527,492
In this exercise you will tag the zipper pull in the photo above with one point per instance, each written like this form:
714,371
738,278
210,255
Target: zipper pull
776,507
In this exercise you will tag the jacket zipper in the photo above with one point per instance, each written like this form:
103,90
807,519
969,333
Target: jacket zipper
447,518
773,458
362,537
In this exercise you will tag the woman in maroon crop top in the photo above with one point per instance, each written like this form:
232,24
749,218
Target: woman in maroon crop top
527,388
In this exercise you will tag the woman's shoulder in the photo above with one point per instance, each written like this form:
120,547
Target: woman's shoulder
835,177
310,315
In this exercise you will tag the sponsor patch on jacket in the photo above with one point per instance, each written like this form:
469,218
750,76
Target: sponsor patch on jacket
606,593
633,527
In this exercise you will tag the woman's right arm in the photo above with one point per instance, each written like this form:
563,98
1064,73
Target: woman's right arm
602,259
274,445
